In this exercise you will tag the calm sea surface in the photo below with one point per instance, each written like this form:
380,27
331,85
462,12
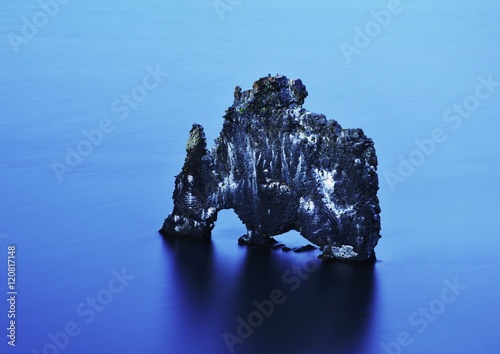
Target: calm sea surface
93,274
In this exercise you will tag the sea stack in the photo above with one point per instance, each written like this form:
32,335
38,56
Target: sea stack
281,167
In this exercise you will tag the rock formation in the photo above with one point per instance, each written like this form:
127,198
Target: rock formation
281,167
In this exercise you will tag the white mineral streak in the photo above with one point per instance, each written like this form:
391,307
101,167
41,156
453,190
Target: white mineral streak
307,205
229,180
311,138
344,252
299,165
208,213
275,184
252,163
284,162
190,198
326,181
326,178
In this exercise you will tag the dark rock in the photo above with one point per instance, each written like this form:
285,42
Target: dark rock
278,246
247,241
305,248
281,167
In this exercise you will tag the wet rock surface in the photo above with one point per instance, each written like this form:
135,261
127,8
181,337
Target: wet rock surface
281,167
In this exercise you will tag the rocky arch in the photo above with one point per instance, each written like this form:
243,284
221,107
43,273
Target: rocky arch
281,167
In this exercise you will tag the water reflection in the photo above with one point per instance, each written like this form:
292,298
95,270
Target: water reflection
322,308
193,265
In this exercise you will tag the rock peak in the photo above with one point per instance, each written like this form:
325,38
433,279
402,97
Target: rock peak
269,91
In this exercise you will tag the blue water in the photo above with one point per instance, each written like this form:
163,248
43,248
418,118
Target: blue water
434,289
